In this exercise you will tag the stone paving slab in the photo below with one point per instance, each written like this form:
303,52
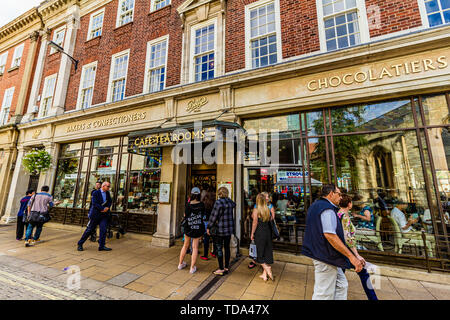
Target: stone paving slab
136,270
123,279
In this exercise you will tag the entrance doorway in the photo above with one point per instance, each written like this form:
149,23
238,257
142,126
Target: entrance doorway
200,175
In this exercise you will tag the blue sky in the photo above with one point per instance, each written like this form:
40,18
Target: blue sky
12,9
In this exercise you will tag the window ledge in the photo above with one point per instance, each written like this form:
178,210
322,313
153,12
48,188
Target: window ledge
128,24
160,9
93,42
13,68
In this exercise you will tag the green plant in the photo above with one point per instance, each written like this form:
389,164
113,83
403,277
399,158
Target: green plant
37,161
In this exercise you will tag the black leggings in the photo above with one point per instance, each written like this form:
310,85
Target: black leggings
223,242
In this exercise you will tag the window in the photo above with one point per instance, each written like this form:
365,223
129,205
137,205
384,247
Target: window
118,76
125,14
6,105
87,85
96,24
156,65
3,59
47,95
203,57
263,35
158,4
438,12
17,56
58,38
342,23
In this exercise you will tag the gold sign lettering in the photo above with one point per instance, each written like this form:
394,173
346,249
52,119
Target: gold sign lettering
168,138
396,70
108,122
196,105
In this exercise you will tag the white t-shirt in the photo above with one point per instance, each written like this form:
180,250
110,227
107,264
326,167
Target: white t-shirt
400,218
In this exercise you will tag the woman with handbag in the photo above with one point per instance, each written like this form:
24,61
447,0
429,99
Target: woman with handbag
38,207
262,235
221,228
252,263
194,228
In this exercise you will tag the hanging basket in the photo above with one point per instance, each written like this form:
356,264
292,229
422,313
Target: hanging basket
37,161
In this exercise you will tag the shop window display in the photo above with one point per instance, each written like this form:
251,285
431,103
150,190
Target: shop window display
145,176
388,155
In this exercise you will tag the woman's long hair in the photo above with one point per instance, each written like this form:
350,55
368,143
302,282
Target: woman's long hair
263,209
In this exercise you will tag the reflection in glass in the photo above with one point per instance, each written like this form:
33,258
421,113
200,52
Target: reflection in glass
66,180
435,109
313,123
71,150
372,117
440,147
318,166
145,176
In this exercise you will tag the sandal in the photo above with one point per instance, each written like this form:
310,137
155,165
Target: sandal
251,265
219,273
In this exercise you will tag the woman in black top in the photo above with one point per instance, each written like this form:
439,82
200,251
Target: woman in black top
195,210
262,235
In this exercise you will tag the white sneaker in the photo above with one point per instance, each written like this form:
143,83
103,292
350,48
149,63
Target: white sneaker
193,270
182,266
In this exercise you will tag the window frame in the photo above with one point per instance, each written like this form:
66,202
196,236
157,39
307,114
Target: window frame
5,54
2,112
16,56
192,54
44,89
424,15
91,21
55,33
248,38
147,77
153,5
111,74
80,90
363,24
118,24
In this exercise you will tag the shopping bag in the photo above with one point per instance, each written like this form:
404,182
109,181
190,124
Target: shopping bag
252,250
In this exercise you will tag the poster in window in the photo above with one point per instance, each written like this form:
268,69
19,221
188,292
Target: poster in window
164,192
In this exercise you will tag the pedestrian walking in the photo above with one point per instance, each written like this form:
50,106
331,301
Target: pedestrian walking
221,227
266,195
195,228
262,235
324,242
39,203
349,233
22,223
208,199
98,213
93,237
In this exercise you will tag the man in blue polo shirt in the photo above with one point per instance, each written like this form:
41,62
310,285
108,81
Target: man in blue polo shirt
324,242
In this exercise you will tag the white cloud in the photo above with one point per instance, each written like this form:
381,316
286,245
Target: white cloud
13,9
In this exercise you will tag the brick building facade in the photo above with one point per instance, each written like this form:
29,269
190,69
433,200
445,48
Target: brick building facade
125,71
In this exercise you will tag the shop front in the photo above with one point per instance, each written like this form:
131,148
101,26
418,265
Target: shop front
375,123
386,155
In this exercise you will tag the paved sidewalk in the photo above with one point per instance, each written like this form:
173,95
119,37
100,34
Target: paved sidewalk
137,270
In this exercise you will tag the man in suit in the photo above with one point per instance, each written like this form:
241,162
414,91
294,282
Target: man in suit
98,213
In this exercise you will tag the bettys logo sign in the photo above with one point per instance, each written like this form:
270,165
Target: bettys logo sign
196,104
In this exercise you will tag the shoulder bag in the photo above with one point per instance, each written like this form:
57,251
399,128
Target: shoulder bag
37,217
275,232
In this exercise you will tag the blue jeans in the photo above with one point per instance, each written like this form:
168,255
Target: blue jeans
367,285
29,232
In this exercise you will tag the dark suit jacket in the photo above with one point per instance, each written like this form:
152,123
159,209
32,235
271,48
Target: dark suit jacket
97,204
